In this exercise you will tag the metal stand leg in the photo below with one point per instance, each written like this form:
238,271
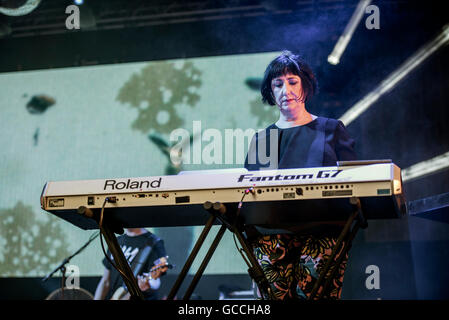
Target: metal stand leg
343,243
217,210
107,229
205,262
191,258
254,269
122,264
360,223
338,262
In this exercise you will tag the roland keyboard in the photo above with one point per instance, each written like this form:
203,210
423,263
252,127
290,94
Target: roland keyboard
279,197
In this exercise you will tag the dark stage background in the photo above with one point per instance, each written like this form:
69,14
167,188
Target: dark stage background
407,124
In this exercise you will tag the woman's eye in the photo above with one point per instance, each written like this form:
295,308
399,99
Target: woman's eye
279,84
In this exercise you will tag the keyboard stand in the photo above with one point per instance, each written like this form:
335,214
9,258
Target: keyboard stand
344,243
122,264
107,230
231,222
221,212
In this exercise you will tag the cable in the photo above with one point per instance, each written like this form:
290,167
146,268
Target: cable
240,250
123,274
93,236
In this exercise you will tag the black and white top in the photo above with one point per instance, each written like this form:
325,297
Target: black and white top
319,143
131,247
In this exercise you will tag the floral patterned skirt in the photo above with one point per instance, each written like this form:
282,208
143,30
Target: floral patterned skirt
292,264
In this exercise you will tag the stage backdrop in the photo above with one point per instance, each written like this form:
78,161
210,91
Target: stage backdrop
108,122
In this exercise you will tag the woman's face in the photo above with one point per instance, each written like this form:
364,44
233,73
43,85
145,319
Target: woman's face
288,93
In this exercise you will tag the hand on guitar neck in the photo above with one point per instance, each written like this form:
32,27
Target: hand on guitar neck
144,280
161,266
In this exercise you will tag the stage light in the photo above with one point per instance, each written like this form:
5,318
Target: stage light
78,2
340,46
18,8
426,167
392,80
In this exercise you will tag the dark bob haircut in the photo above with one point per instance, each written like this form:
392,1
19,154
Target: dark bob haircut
286,63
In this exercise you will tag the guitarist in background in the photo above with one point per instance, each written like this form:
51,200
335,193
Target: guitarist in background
142,249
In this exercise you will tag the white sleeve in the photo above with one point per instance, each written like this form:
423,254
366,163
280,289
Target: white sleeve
155,283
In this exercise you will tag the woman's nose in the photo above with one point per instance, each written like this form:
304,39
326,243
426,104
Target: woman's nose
286,88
